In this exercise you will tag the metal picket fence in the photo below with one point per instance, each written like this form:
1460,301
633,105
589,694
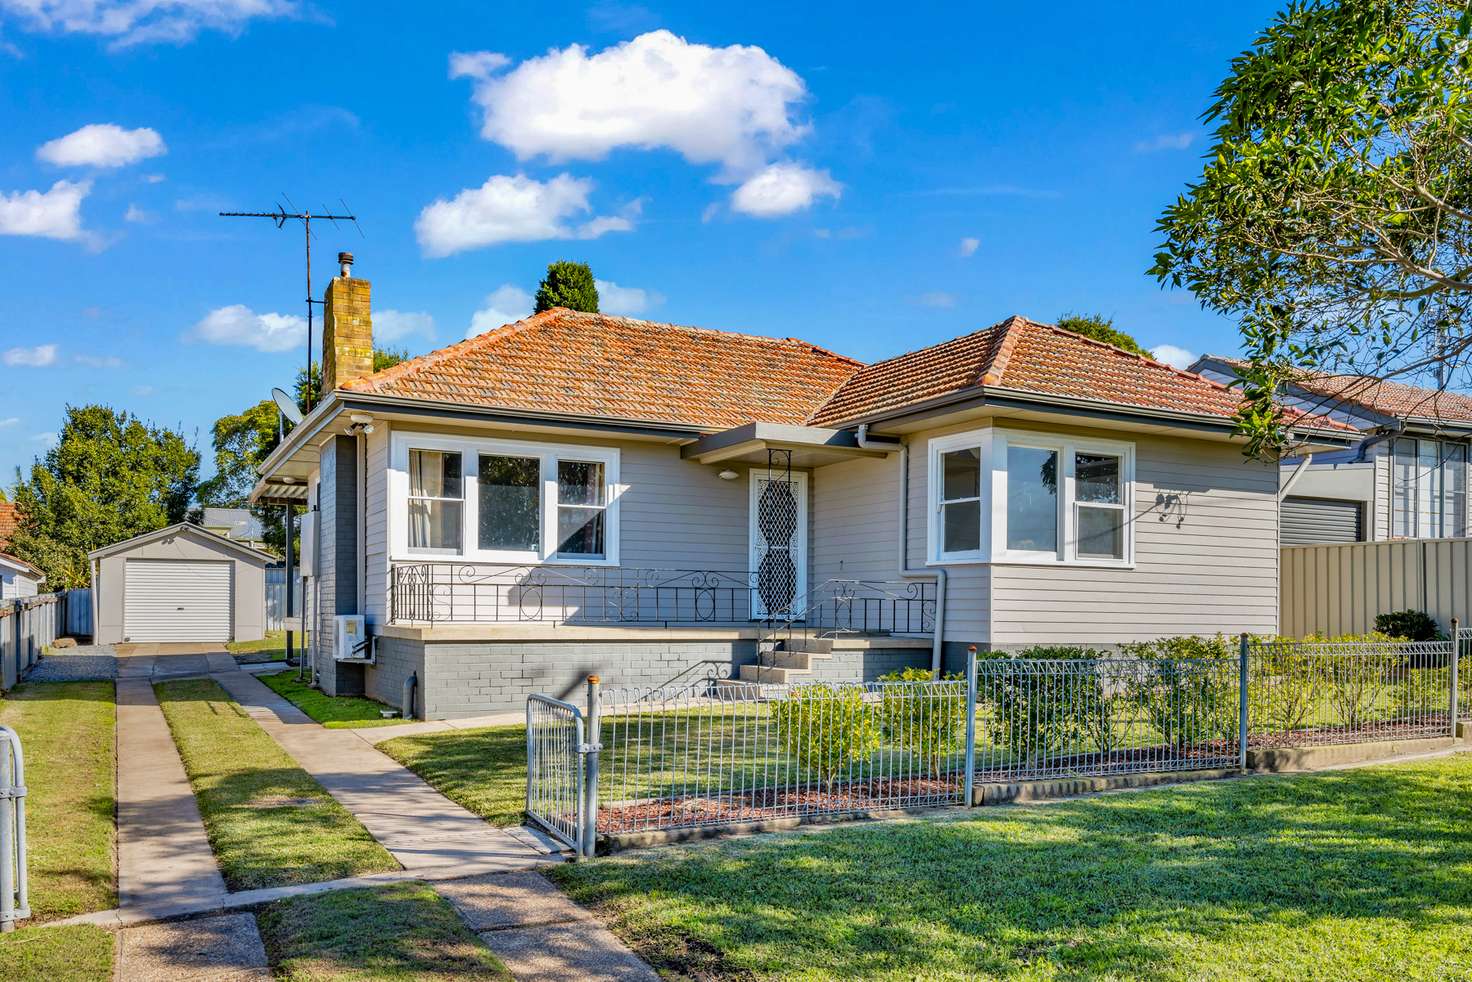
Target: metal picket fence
715,752
14,902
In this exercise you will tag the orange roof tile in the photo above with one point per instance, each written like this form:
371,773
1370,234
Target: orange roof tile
1024,355
9,519
1379,395
568,362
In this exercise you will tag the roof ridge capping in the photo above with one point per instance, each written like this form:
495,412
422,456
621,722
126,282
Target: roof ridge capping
1147,359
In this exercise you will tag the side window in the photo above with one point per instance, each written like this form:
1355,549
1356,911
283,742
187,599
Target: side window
436,501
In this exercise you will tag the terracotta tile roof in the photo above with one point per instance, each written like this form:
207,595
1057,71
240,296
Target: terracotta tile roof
9,519
1020,354
567,362
1379,395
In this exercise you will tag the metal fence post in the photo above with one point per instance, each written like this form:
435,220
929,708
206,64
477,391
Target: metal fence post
593,743
1242,701
1456,656
970,777
14,903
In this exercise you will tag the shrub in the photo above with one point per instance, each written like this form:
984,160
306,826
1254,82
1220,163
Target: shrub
827,728
929,721
1043,713
1187,687
1412,625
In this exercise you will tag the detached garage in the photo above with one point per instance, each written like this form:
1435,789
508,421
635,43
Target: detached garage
179,584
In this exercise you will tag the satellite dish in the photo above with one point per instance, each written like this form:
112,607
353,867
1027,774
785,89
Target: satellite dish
287,405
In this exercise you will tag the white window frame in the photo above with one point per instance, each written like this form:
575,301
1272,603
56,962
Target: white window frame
992,444
470,449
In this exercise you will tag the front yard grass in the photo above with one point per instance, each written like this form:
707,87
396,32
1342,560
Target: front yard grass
269,822
1363,874
67,731
333,712
270,648
50,954
400,931
483,771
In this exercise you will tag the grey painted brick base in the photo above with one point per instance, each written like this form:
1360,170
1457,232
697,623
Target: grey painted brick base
459,679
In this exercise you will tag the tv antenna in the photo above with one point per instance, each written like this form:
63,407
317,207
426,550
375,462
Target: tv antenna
281,216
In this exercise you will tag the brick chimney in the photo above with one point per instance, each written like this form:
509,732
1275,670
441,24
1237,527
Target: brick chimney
347,328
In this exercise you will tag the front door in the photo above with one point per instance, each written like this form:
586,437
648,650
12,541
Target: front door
779,543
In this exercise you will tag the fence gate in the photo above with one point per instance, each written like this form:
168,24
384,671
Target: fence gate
13,900
555,788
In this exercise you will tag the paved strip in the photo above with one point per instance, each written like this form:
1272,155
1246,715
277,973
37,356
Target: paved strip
223,948
419,826
539,933
378,734
164,857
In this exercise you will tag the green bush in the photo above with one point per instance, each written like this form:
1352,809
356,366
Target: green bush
1049,712
927,721
1187,687
826,728
1413,625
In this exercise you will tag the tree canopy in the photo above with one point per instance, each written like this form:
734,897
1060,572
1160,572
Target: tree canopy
241,441
110,476
1334,213
570,285
1100,328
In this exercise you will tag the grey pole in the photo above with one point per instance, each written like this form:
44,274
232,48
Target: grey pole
1456,656
970,777
1242,702
590,782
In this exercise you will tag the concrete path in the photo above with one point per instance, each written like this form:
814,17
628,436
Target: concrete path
420,827
161,661
539,933
379,734
223,948
164,859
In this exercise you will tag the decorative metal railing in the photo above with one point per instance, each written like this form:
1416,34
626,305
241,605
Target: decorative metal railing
458,592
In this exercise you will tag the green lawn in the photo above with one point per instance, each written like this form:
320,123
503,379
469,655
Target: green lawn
67,730
1363,874
270,648
333,712
268,821
482,770
401,931
51,954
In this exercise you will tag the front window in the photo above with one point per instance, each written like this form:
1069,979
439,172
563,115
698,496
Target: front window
510,503
1004,496
580,507
436,498
1429,489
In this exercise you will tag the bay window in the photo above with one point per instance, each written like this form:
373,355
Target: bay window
1011,496
502,500
1428,489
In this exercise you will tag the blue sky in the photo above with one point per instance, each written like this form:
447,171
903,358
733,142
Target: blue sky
870,178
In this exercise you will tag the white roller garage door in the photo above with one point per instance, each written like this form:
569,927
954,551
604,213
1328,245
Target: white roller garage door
176,600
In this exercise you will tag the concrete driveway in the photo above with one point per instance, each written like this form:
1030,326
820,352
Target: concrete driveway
155,661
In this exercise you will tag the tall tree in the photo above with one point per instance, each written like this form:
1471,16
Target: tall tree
110,476
241,441
1334,213
569,285
1100,328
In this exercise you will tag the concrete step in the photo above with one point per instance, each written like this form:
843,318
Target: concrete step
800,660
771,676
816,646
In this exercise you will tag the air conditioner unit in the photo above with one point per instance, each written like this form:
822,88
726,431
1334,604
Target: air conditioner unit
308,566
352,641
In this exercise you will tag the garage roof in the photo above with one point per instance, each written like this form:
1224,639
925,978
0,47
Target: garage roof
182,528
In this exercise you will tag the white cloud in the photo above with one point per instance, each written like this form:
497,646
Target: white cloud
476,64
783,188
395,325
143,391
514,209
1172,355
8,422
129,22
154,178
507,304
969,246
137,215
731,105
40,356
45,439
98,361
238,325
1167,141
53,214
938,298
102,145
628,300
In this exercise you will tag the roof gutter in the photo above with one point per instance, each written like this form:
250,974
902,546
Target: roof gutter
937,647
1389,433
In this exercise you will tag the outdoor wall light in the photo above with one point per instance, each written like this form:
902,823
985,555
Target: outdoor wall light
728,475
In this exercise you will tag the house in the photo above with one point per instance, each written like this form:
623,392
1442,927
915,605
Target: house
236,524
181,583
9,521
577,493
18,578
1405,478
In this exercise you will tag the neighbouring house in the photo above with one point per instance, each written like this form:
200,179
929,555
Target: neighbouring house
1405,478
9,521
579,493
181,583
18,578
235,524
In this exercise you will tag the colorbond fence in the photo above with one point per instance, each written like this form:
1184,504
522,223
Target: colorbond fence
1333,590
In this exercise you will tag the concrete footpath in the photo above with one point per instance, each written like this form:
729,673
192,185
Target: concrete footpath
420,827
